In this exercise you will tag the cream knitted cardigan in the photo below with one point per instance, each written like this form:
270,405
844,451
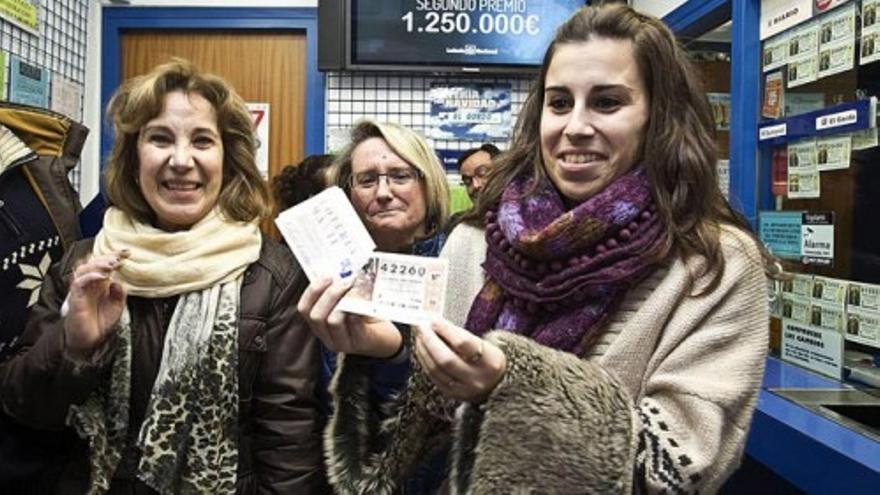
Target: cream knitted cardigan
661,404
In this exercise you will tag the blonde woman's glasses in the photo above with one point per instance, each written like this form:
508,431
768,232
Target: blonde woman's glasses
393,177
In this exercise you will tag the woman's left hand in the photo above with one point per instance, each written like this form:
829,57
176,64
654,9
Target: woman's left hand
461,365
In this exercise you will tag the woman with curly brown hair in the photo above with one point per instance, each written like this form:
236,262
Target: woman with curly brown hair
169,343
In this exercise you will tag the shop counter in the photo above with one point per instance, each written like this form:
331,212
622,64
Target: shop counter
806,448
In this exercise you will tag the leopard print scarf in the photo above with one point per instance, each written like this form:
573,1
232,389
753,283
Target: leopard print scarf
188,440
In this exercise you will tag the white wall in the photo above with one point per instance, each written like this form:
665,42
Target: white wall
91,157
658,8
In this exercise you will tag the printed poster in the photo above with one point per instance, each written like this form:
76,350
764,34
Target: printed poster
812,347
780,231
476,112
807,236
818,238
25,14
28,84
260,114
67,97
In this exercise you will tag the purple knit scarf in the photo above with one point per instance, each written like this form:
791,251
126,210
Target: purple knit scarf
554,274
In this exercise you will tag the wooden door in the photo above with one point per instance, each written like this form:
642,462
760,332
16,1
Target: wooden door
263,66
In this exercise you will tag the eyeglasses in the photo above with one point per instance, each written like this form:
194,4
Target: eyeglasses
395,176
480,173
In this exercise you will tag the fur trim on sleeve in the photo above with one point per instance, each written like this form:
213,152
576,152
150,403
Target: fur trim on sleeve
555,424
367,455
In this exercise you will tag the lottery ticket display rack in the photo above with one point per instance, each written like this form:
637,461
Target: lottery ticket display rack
818,138
803,150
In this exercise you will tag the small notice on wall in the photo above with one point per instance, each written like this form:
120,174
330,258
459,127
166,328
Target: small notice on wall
818,239
805,236
67,97
780,231
814,348
260,114
23,13
28,83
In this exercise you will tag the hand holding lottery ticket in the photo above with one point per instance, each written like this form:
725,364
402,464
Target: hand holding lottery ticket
326,236
329,241
342,332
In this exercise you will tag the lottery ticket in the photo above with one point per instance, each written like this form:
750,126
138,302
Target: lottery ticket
329,240
326,235
403,288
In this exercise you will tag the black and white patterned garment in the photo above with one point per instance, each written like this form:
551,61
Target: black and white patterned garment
189,437
661,459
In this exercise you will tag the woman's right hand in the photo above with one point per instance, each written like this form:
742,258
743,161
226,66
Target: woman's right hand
94,304
342,332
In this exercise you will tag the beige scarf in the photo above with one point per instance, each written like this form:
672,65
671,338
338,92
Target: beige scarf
167,263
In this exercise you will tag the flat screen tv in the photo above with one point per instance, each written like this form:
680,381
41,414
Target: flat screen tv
452,35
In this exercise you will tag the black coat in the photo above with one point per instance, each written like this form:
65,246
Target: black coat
280,437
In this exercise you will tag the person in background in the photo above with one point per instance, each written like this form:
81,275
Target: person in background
607,324
297,183
474,165
169,343
398,188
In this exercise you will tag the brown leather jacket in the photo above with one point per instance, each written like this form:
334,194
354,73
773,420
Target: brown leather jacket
280,438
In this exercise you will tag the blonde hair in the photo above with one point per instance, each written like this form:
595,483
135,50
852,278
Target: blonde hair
413,149
243,196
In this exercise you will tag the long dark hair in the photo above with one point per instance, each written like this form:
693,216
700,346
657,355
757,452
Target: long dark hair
679,135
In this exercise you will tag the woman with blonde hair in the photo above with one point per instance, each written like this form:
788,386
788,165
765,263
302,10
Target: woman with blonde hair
169,343
398,188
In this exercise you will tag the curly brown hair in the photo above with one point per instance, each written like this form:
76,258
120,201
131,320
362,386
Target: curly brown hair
243,196
297,183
